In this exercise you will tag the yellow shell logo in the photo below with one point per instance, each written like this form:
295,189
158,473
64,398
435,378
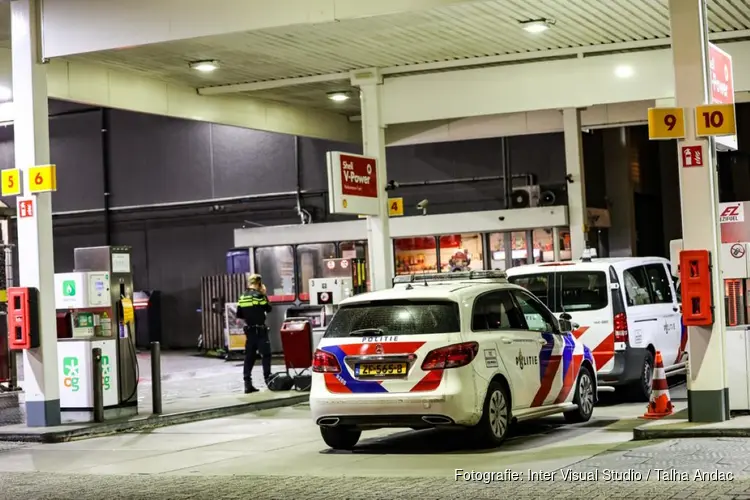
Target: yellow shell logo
345,204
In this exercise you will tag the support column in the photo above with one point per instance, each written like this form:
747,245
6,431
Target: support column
577,214
619,183
380,246
708,396
35,254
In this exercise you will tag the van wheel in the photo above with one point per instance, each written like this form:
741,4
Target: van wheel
340,438
584,398
640,390
493,427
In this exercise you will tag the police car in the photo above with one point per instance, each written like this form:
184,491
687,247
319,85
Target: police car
463,349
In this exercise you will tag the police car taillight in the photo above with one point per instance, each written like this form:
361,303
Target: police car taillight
325,362
452,356
621,327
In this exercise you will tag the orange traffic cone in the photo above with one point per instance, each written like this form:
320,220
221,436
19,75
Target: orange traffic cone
660,404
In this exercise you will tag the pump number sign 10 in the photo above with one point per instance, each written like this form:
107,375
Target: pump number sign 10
353,184
715,120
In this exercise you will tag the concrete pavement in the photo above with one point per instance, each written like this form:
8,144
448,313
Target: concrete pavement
279,454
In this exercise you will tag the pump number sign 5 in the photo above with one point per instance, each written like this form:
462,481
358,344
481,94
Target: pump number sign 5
666,123
715,120
11,180
43,178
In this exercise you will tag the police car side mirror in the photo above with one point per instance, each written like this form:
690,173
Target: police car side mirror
565,325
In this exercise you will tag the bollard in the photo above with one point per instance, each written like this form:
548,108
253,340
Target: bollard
96,380
155,378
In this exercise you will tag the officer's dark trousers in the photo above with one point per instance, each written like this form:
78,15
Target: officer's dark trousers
257,342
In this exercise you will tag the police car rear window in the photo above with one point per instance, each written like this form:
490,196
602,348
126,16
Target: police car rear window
395,318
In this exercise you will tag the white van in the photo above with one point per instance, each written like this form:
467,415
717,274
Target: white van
623,309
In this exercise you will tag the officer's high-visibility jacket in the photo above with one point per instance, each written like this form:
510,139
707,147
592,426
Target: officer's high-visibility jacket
253,307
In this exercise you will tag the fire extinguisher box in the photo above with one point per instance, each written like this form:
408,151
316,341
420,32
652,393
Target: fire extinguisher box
23,318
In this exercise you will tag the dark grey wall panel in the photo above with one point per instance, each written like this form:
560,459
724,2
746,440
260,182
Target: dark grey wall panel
542,155
312,154
178,257
76,149
158,160
251,162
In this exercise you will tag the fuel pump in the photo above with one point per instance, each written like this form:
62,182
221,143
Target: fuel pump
735,264
95,302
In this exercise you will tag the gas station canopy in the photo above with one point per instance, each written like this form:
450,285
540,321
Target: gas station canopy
285,65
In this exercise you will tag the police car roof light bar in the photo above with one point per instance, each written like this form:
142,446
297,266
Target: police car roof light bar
443,277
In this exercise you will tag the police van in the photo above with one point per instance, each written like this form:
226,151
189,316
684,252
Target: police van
623,309
464,349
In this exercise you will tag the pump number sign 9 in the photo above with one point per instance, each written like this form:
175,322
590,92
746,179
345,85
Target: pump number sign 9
715,120
43,179
666,123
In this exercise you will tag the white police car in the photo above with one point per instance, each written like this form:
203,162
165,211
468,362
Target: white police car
461,349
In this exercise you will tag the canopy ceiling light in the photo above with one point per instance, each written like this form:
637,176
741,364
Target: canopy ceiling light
624,71
6,94
205,66
339,96
537,25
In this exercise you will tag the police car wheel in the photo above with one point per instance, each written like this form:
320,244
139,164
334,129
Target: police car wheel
340,438
584,398
493,427
640,390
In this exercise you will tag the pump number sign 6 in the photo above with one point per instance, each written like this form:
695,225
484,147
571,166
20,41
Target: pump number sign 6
715,120
666,123
43,179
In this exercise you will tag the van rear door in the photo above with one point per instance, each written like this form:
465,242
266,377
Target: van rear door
584,294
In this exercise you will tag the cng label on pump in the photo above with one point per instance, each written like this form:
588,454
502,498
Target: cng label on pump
69,288
71,375
106,373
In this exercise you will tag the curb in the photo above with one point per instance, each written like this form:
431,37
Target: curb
643,434
151,422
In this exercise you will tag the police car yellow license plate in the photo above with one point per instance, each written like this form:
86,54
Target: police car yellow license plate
380,369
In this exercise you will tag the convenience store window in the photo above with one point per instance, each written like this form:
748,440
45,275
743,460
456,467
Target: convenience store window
544,250
353,249
276,266
519,249
502,244
461,252
310,261
565,251
497,251
415,255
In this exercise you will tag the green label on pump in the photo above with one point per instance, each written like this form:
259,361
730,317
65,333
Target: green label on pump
71,373
69,288
106,373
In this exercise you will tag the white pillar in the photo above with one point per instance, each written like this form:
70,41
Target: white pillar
708,397
380,246
577,214
35,255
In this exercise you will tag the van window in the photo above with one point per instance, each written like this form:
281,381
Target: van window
537,317
496,311
659,282
395,317
583,291
636,286
540,285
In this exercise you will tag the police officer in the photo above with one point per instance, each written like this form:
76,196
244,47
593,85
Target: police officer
252,308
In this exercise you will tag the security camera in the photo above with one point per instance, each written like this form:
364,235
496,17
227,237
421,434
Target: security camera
501,218
422,205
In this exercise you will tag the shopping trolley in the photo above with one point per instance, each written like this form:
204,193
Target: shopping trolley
296,341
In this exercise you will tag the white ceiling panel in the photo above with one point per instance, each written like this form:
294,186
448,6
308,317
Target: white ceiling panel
459,32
